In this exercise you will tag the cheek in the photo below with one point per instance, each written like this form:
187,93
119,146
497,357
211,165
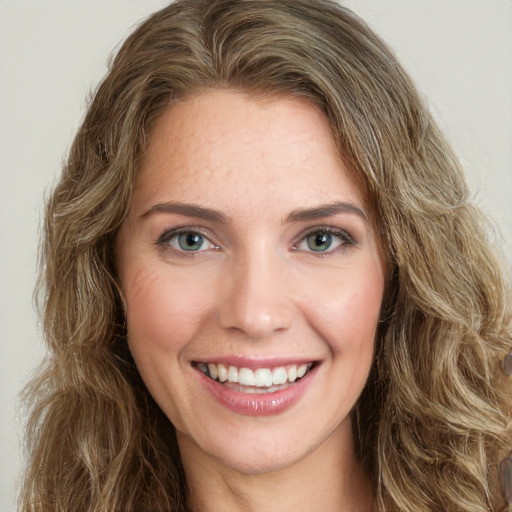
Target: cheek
158,309
346,309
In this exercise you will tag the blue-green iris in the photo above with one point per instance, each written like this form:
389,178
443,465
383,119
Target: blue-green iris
319,242
190,241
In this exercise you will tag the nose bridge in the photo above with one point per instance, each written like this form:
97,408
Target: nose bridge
258,302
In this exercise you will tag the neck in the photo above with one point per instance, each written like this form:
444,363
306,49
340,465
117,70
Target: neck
330,479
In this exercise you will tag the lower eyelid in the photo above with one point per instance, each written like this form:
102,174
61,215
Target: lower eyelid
171,250
337,246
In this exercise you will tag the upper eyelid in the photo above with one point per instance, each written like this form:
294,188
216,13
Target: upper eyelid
325,229
170,232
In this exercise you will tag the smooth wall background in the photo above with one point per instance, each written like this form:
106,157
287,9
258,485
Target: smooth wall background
53,53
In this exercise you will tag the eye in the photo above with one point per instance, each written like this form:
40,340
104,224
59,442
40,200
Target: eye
189,241
324,241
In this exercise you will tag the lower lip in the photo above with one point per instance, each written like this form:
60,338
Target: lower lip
257,404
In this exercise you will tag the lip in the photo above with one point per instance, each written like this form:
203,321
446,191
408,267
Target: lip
257,404
255,363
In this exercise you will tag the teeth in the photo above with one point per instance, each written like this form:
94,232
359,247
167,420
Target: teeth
263,377
222,373
212,368
260,378
279,376
233,374
246,377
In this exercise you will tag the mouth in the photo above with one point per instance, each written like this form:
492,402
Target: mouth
258,380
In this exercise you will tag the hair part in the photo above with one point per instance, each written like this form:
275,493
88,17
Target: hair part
433,420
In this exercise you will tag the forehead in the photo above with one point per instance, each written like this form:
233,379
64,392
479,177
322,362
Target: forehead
225,145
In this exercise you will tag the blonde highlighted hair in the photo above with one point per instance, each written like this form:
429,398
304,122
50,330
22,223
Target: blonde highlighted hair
433,420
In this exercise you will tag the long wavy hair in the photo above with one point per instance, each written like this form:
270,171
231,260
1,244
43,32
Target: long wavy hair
434,418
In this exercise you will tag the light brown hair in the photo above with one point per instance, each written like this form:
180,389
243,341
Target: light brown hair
433,420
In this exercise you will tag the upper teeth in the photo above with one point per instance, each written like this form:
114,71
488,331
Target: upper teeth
261,377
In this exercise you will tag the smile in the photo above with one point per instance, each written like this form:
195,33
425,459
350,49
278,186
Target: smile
259,380
253,390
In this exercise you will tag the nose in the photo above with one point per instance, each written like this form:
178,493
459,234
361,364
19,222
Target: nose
256,300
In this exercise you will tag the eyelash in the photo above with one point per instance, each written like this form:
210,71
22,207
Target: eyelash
346,240
164,240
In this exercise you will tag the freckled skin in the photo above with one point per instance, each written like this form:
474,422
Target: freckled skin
260,292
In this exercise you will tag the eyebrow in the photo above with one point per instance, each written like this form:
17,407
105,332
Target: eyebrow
325,210
298,215
189,210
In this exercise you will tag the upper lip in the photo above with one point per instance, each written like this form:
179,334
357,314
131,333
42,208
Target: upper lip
255,363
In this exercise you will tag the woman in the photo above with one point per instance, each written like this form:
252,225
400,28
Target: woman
265,287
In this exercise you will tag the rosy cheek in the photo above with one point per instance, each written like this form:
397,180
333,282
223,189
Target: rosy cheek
346,309
155,306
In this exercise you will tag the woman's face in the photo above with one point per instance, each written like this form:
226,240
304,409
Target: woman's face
252,280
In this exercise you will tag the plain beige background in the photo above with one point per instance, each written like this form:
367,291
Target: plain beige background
53,53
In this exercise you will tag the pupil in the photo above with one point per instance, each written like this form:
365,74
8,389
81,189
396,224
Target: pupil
320,242
190,241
